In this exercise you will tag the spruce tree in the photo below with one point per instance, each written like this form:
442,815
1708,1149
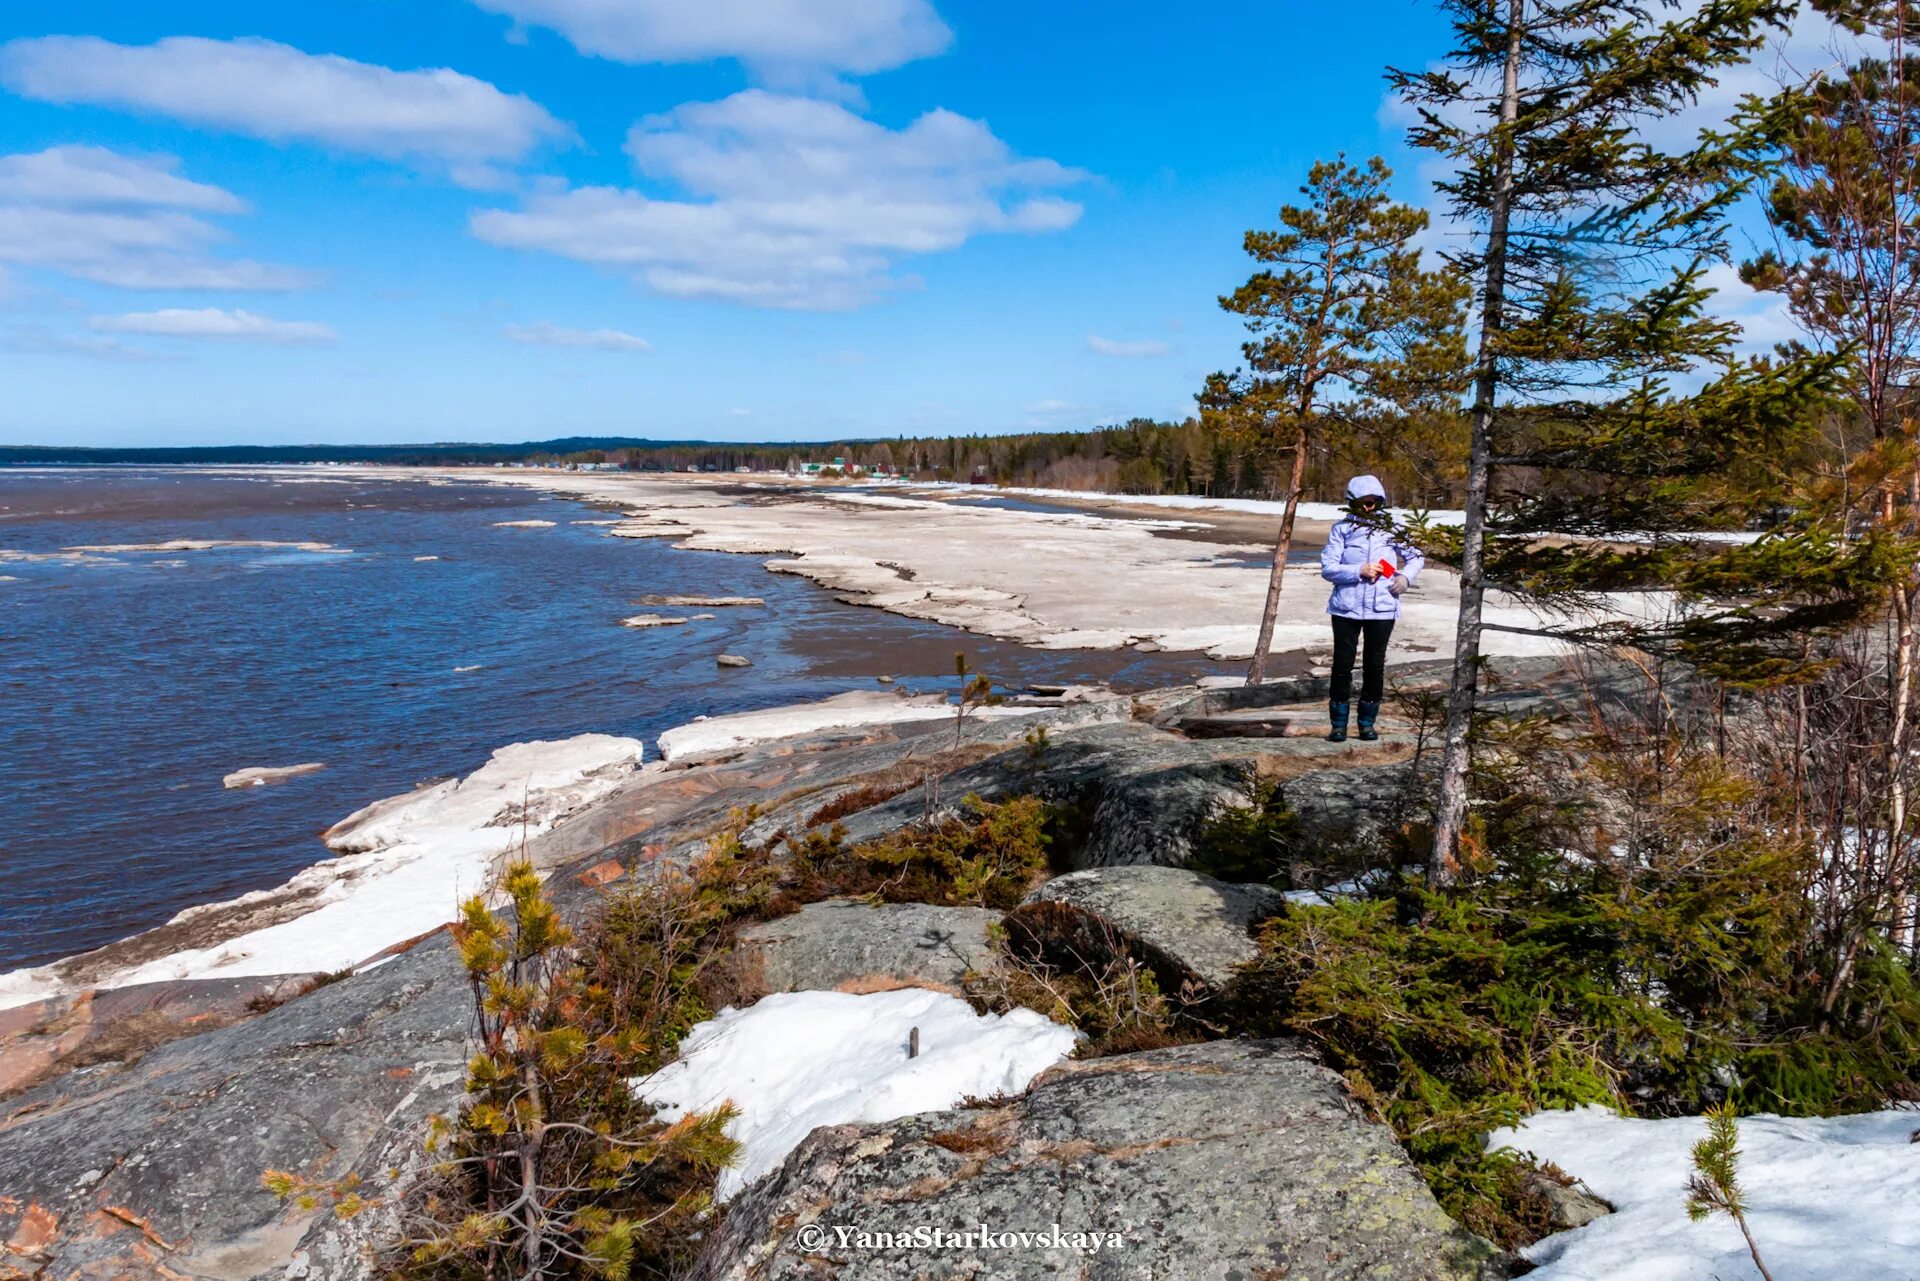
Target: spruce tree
1344,321
1587,245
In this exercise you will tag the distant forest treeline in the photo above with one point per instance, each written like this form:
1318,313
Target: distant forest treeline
1141,456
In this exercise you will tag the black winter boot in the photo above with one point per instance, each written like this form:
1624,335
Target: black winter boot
1369,713
1337,712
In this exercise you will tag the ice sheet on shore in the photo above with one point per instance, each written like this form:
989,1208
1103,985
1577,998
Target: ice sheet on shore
718,735
405,863
1828,1199
800,1060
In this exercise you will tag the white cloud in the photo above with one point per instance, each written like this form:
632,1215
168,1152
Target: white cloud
1763,318
129,221
1050,414
1142,349
546,334
97,176
276,92
1811,44
798,203
213,322
40,341
781,39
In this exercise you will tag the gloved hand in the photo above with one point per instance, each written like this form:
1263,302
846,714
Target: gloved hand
1398,585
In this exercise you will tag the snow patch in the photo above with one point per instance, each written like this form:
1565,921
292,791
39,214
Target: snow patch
717,735
800,1060
1829,1199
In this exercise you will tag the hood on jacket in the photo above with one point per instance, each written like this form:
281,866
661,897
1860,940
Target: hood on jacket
1366,487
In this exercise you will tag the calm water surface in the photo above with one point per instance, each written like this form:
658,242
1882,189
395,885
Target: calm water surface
131,682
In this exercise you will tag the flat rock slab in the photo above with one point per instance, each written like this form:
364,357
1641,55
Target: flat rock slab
848,945
1190,928
1232,1161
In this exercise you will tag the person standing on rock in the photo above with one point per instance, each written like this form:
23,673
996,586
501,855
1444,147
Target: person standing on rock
1369,566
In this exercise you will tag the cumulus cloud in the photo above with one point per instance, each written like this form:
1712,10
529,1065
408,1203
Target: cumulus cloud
96,176
276,92
781,39
796,202
213,322
546,334
130,221
1140,349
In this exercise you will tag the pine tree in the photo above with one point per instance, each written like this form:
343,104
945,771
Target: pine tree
1344,320
1845,207
1587,245
1714,1186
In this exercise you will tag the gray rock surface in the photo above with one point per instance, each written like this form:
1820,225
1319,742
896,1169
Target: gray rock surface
1233,1161
1190,928
1143,793
123,1173
1568,1204
849,945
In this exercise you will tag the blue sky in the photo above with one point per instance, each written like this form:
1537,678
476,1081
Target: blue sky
728,219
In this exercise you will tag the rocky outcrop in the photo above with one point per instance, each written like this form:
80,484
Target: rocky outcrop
1143,794
118,1025
1237,1159
155,1170
846,945
1192,930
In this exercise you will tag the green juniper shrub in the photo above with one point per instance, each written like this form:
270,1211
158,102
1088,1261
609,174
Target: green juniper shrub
1116,1002
1253,842
988,854
1644,947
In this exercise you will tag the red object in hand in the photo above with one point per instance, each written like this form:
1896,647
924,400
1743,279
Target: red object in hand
1387,568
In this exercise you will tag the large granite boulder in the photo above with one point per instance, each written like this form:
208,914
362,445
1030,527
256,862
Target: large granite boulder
1191,930
1233,1161
848,945
1143,794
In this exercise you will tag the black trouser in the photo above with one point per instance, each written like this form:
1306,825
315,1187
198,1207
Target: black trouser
1373,671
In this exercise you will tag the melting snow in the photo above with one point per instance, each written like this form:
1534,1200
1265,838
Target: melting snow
1829,1199
800,1060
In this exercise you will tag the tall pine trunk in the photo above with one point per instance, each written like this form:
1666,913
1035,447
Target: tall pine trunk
1257,669
1450,810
